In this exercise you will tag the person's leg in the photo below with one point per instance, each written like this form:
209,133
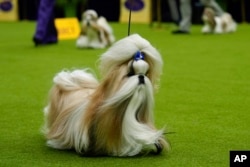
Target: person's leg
45,28
214,5
186,16
51,34
174,11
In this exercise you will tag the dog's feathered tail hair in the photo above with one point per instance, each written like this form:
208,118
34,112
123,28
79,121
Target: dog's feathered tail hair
64,97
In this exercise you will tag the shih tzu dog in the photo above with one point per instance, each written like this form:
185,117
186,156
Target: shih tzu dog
112,117
217,24
95,31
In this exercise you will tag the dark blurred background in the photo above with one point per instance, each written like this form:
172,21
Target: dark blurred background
240,9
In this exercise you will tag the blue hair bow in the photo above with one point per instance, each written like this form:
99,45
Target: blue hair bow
138,56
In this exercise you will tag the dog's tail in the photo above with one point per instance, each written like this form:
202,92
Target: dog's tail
78,79
69,92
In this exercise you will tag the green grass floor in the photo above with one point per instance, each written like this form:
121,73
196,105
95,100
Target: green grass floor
204,96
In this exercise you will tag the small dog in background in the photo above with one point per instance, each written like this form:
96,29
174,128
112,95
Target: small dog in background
111,117
217,24
95,31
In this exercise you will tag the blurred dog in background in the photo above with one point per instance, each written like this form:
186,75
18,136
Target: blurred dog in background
95,31
111,117
217,24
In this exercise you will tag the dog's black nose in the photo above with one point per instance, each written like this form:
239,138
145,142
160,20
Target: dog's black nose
141,79
88,23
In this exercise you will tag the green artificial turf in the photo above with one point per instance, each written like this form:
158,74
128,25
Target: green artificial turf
204,97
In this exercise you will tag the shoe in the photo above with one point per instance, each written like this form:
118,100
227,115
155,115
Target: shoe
180,32
39,42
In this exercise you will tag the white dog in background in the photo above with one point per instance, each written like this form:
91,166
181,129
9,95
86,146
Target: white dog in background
111,117
95,31
217,24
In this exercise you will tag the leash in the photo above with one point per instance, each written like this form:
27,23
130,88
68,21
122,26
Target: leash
129,21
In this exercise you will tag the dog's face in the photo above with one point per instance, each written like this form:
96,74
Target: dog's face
89,17
208,14
208,17
126,48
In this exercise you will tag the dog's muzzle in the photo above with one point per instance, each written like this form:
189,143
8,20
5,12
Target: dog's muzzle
141,79
138,67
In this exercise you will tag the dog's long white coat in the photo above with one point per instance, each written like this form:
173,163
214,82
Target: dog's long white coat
127,98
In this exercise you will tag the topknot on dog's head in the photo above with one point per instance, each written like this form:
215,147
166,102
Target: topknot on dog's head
122,53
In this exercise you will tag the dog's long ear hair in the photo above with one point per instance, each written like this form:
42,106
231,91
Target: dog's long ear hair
123,123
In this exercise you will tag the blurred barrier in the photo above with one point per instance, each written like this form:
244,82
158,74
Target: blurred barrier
67,28
8,10
240,10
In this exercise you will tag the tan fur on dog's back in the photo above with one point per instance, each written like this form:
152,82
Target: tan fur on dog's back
105,121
